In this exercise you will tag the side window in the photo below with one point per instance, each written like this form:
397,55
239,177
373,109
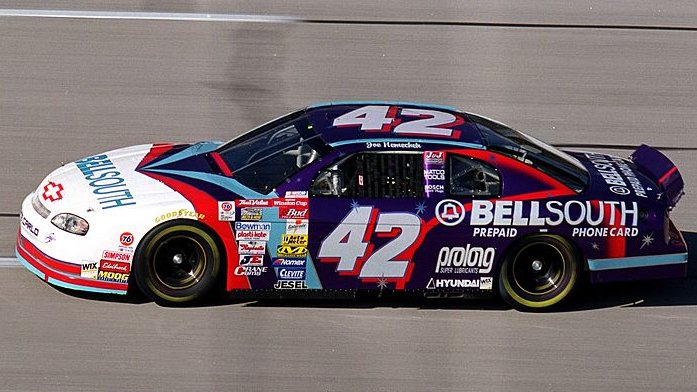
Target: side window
264,160
470,177
388,175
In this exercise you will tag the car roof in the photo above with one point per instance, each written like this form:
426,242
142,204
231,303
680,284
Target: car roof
322,116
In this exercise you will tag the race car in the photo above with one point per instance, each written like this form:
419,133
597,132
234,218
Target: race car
352,196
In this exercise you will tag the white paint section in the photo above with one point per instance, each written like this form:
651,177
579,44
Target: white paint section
9,262
174,16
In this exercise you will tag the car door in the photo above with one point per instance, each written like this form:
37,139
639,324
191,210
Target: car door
464,253
366,220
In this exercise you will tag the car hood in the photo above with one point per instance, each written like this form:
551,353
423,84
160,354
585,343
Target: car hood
615,178
107,182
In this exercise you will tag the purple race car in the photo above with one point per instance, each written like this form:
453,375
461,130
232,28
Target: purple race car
357,196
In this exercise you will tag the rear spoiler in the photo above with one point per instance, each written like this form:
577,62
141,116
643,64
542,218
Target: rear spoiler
662,171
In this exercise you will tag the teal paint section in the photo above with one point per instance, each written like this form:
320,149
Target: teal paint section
635,262
233,186
198,148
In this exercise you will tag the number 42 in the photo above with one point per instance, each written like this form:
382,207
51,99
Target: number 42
349,244
402,121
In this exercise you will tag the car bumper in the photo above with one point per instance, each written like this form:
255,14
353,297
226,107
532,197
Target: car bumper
61,273
671,264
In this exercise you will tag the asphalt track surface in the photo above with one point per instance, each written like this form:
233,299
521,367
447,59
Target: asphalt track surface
72,87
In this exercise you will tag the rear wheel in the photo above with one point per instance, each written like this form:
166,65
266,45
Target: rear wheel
539,273
178,263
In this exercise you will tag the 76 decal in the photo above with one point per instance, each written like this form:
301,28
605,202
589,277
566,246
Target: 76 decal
402,121
349,245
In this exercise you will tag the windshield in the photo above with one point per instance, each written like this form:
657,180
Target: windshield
533,152
268,155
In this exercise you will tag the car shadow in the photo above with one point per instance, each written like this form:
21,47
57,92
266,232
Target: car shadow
669,292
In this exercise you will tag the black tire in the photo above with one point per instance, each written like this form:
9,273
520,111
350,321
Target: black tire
539,273
178,263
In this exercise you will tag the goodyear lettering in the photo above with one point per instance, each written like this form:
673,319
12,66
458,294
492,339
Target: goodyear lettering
181,213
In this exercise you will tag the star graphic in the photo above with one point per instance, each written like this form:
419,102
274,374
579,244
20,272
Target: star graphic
420,208
382,283
354,205
646,240
595,246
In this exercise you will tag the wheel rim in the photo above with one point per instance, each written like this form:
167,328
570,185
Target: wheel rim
179,262
539,269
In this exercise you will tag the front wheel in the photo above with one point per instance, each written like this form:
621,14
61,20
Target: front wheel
178,263
539,272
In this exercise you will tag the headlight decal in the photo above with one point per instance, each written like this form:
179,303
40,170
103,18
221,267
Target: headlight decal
71,223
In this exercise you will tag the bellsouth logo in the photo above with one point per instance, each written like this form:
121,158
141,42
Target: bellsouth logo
450,212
